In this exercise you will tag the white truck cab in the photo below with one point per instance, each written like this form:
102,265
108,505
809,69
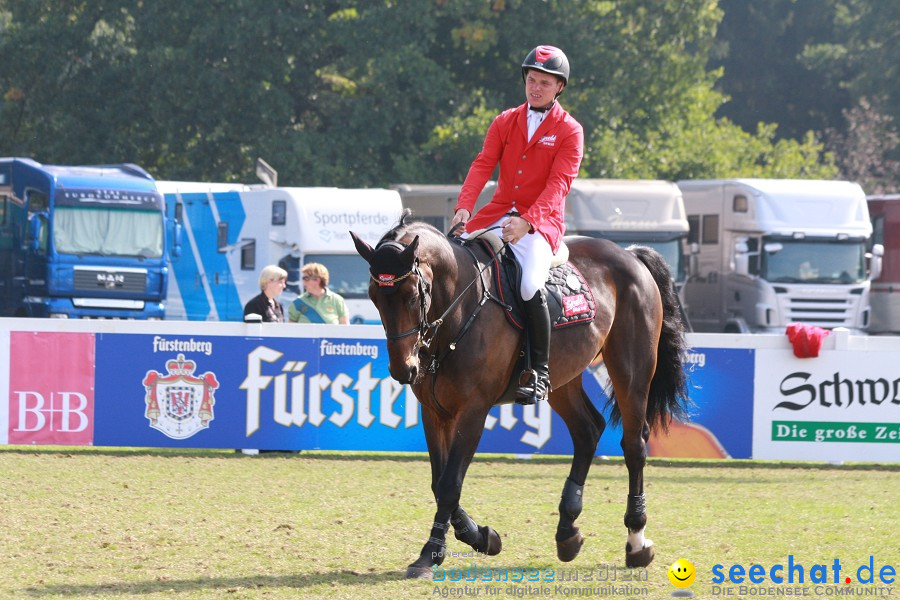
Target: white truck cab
232,231
645,212
769,252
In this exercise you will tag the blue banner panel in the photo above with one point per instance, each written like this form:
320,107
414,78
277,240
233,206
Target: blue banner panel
196,391
231,392
721,388
720,385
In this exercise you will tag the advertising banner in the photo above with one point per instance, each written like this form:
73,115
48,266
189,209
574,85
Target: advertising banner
51,388
285,393
162,386
275,394
4,387
720,385
843,407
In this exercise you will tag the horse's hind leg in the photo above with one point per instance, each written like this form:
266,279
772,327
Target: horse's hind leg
631,374
638,549
586,426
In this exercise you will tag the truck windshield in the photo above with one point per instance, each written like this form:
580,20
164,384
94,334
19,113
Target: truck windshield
670,250
348,274
108,231
814,261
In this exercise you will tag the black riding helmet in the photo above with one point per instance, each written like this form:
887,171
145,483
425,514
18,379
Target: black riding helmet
548,59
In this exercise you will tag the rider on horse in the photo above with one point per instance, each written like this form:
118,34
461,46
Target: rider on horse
539,147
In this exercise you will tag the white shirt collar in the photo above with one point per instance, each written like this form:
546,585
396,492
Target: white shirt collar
534,121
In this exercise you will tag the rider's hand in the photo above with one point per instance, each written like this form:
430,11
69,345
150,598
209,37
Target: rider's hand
461,216
514,229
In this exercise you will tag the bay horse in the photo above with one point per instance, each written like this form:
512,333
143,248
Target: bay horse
457,351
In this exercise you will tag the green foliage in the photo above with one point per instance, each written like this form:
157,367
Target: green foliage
761,46
693,146
828,66
369,93
867,150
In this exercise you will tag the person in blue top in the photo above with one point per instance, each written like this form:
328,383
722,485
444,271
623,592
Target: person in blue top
317,304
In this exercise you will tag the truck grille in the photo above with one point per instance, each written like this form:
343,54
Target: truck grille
111,280
824,312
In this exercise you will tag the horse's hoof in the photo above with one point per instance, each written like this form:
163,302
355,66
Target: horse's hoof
414,572
641,558
567,550
494,545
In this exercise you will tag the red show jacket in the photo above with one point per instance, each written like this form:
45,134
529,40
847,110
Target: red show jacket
535,175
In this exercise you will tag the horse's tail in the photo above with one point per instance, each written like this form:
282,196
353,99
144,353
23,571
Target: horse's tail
668,397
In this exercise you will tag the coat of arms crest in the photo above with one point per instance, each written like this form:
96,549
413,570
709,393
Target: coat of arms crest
180,404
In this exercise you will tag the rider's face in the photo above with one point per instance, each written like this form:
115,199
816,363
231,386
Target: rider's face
541,88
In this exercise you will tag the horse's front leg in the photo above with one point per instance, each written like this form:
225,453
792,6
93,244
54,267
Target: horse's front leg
481,538
461,436
433,552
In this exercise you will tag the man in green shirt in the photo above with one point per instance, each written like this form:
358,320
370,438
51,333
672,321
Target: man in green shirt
317,304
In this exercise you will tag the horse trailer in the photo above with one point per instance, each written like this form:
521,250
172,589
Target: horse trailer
885,296
232,231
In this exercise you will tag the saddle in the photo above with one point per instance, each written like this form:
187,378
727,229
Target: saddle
569,297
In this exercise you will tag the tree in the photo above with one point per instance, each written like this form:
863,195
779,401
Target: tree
768,75
866,149
823,66
364,93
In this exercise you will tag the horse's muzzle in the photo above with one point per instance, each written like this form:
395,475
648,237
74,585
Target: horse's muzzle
407,372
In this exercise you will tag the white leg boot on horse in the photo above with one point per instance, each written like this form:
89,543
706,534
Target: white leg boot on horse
538,325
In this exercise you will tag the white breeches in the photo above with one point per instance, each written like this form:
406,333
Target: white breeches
534,253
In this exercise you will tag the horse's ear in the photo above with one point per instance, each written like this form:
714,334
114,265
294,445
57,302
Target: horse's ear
364,249
408,256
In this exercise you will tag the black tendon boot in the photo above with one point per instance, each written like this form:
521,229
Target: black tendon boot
538,385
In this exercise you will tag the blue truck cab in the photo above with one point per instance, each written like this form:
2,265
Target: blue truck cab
81,242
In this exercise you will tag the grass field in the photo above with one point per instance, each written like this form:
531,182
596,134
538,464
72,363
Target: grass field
94,523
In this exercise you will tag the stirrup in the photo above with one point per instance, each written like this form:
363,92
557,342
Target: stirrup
527,393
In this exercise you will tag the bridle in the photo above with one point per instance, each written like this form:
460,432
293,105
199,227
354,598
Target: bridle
426,330
423,326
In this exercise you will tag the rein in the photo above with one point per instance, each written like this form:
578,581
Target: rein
485,296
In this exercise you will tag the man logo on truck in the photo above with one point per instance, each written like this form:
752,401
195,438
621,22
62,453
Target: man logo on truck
110,280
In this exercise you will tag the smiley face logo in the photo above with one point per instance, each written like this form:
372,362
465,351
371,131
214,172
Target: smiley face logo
682,573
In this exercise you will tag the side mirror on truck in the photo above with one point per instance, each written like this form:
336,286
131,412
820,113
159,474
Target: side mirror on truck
741,258
36,230
876,260
693,259
176,239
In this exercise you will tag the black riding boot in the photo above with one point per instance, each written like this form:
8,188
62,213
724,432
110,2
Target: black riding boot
537,387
